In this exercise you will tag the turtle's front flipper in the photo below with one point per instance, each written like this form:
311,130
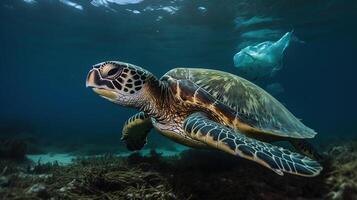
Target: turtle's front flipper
280,160
135,131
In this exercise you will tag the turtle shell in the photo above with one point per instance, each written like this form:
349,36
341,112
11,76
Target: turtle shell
252,104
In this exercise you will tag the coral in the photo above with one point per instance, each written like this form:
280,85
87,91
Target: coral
38,190
192,175
100,177
153,162
342,178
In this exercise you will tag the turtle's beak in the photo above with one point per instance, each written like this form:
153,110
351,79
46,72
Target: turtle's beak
90,81
105,93
99,85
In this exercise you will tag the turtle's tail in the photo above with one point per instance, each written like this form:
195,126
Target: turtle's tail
305,148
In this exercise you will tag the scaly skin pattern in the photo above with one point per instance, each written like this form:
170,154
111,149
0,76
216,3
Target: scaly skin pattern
197,119
280,160
135,131
168,112
182,98
199,108
190,98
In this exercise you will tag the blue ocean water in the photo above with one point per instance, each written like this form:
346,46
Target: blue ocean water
48,46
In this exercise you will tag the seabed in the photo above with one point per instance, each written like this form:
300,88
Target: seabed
191,174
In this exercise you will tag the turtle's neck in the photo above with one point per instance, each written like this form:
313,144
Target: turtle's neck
159,99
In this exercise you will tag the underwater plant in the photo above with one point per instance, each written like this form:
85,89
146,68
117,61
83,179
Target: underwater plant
191,175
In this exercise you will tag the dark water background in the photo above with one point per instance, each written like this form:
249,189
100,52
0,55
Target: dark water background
47,49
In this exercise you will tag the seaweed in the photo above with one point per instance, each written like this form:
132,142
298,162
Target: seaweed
99,177
342,177
195,174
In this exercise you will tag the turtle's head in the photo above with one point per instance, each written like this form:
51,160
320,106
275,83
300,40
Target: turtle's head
119,82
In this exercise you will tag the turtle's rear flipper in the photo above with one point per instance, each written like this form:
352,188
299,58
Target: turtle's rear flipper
280,160
135,131
305,148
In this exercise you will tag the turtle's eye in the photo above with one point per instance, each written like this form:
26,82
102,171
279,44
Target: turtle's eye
110,70
113,71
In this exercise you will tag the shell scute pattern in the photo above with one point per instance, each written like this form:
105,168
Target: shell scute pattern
251,104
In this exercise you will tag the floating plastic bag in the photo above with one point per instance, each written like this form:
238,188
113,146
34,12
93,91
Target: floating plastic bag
262,60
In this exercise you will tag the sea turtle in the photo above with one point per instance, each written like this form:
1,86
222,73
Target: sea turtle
207,109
